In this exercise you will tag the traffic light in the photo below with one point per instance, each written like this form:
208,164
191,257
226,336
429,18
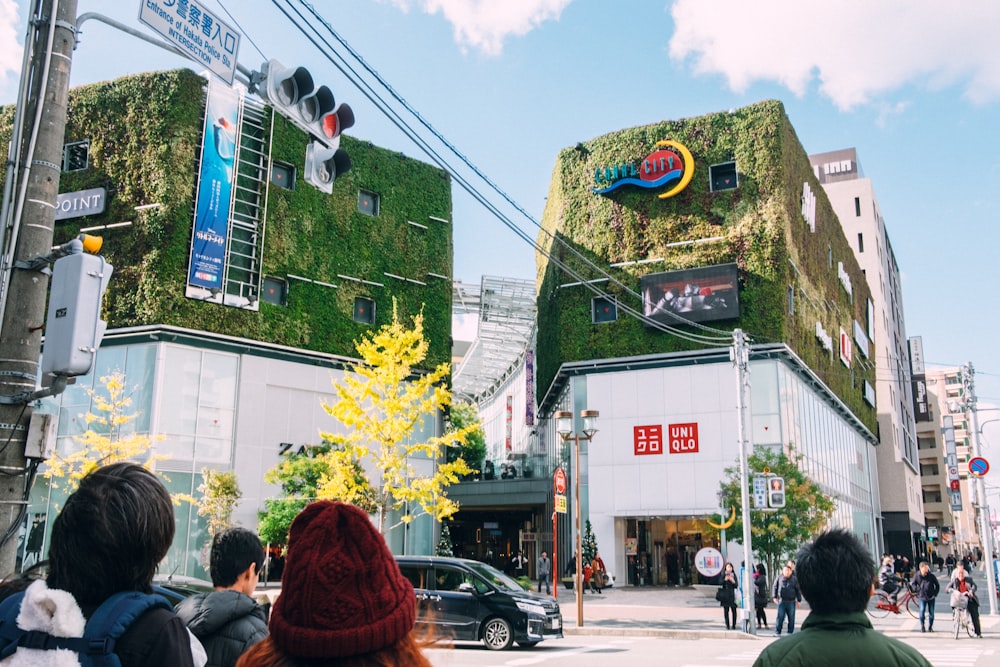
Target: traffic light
73,325
776,492
314,110
323,165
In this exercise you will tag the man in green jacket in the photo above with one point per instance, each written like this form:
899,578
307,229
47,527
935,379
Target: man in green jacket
835,575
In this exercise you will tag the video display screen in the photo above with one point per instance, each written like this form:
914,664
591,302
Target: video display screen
704,294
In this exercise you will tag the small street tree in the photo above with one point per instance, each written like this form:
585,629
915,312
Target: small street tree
220,491
777,534
588,543
463,415
444,545
381,402
110,437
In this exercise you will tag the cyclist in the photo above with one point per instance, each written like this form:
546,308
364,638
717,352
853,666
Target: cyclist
961,582
887,579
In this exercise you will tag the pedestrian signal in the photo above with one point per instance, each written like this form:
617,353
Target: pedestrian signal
776,492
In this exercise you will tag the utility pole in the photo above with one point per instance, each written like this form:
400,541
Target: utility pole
985,529
740,355
51,40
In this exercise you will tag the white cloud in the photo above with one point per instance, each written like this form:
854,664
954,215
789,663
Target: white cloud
11,50
485,24
857,50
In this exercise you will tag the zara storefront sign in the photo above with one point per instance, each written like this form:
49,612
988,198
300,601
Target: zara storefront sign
80,203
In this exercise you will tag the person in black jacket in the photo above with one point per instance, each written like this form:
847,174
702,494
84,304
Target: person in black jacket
926,587
228,621
788,596
728,596
760,596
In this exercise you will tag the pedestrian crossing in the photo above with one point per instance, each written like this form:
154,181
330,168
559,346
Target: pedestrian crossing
954,656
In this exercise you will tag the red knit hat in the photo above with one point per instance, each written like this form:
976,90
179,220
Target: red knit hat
342,593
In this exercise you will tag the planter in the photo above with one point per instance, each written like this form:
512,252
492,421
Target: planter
567,582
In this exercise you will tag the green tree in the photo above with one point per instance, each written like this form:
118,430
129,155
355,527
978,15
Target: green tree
777,534
444,546
588,543
110,437
220,491
463,415
380,402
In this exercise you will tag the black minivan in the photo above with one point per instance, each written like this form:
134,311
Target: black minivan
468,600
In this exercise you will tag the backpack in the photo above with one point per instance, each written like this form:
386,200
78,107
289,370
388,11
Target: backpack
97,646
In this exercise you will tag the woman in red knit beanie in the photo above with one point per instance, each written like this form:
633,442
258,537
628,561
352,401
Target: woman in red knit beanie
343,600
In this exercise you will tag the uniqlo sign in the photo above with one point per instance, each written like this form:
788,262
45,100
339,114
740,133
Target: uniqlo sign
648,440
683,438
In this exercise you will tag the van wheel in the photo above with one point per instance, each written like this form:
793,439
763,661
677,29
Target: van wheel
497,635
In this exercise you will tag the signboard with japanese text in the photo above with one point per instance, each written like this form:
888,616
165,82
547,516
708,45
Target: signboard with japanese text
195,31
759,492
648,439
951,461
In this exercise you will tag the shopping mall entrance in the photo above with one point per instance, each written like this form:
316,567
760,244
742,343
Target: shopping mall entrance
660,552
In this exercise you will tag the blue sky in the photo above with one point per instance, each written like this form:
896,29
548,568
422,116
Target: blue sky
915,89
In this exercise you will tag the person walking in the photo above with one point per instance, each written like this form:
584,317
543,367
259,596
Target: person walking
926,586
343,598
787,596
760,597
727,597
961,582
835,572
543,570
598,572
228,620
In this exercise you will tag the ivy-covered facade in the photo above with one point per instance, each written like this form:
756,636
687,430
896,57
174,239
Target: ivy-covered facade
230,387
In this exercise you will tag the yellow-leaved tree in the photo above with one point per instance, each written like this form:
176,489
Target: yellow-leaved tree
381,402
109,438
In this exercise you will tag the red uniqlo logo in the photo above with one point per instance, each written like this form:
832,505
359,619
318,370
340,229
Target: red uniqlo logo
683,438
648,440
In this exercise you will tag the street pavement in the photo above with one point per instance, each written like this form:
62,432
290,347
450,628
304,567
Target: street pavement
692,612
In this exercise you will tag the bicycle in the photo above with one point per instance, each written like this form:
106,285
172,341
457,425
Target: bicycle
960,618
880,604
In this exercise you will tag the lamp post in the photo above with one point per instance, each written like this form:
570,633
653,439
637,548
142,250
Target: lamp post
564,425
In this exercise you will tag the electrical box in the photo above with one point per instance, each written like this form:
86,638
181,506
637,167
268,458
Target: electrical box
41,440
73,325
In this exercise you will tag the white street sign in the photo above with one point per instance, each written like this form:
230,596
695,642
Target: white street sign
196,31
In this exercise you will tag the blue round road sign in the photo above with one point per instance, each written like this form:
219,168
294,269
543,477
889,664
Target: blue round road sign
978,466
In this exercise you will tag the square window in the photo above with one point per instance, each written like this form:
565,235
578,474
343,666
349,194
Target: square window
274,291
723,176
364,310
76,156
283,175
603,309
368,203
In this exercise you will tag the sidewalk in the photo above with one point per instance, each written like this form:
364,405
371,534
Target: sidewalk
689,613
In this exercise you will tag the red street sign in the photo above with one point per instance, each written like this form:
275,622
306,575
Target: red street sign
559,481
978,466
955,485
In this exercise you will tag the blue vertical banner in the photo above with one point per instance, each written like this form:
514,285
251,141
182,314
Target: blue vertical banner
206,269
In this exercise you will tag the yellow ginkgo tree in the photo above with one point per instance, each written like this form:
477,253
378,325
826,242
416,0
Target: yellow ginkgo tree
109,438
381,402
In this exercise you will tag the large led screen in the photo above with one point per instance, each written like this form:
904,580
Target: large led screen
705,294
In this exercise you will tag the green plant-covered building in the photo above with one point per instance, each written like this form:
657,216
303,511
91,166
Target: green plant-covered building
230,328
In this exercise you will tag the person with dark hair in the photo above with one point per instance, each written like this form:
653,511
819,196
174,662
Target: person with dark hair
227,620
109,538
727,594
788,597
760,597
343,602
835,573
926,587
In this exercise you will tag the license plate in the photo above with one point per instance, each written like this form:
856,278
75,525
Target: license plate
556,623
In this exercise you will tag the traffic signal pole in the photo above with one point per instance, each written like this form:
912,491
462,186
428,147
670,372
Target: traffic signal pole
985,528
741,359
51,39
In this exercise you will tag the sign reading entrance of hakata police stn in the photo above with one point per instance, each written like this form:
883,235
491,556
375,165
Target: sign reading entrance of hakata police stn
196,31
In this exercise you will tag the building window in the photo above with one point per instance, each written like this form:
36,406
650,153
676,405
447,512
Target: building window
76,156
857,206
368,203
861,242
603,309
829,255
274,291
723,176
283,175
791,299
364,310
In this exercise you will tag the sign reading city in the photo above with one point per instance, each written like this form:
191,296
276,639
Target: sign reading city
978,466
670,162
195,31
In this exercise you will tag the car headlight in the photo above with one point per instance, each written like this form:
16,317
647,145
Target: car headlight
530,607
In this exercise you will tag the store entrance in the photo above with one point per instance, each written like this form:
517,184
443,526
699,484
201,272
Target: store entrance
660,552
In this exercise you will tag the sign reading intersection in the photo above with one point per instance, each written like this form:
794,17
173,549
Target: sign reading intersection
196,31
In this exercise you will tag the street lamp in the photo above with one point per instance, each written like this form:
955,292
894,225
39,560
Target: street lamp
564,426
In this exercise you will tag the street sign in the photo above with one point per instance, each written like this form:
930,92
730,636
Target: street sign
978,466
759,492
561,504
559,481
195,31
709,562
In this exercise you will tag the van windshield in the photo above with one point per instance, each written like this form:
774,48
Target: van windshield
496,577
